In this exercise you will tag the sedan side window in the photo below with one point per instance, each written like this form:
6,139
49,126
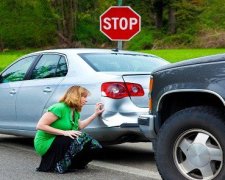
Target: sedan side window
61,68
46,67
18,70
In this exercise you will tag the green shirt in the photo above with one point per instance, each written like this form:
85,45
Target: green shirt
43,140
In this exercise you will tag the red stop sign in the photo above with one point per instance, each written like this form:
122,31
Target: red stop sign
120,23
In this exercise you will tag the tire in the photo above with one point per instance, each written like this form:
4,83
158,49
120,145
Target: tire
190,145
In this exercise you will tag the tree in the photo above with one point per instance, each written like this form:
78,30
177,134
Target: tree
171,15
187,14
171,19
66,13
25,23
158,7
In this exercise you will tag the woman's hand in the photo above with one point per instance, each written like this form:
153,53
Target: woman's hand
99,108
72,133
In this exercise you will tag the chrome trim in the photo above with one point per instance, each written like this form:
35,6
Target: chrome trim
146,125
189,90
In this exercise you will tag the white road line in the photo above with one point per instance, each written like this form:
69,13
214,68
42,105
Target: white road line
116,167
126,169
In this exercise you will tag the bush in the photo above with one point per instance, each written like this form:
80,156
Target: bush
210,38
88,32
143,40
174,41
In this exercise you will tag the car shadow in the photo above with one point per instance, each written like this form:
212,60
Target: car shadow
10,139
128,154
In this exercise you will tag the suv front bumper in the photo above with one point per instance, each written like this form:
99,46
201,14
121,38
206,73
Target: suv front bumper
146,126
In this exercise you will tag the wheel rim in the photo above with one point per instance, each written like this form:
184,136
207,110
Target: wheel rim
198,155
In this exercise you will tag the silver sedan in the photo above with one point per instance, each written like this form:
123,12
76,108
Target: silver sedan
119,79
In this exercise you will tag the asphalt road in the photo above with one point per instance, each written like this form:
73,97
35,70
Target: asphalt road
131,161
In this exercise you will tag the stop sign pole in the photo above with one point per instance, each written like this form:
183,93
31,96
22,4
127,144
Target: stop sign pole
120,43
120,23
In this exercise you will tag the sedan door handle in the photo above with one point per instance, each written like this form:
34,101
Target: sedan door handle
13,91
47,90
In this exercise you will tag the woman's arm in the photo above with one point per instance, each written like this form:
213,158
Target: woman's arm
98,110
47,119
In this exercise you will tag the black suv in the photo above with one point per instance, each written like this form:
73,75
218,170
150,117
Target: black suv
187,119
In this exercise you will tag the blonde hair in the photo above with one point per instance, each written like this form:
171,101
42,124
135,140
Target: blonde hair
73,95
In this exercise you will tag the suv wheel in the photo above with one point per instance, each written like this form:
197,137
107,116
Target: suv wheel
190,145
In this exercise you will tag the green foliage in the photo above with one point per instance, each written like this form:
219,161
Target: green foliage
187,15
37,23
143,40
26,23
88,31
143,8
188,23
180,40
214,16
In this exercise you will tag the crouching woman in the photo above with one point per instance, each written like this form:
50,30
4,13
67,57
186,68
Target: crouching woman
58,141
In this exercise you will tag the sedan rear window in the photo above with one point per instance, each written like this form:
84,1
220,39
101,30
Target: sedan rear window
117,62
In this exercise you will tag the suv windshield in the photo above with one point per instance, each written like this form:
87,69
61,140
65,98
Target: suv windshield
116,62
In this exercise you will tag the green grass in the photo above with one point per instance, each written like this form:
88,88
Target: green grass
8,57
172,55
175,55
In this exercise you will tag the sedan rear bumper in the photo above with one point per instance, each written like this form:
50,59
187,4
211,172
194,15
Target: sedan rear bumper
115,135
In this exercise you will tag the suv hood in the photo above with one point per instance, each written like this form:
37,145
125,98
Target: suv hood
195,61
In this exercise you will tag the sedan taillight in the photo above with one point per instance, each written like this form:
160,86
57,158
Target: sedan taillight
118,90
